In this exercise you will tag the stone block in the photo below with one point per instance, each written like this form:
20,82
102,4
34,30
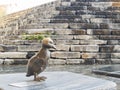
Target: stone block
57,62
31,47
26,42
10,48
114,26
102,32
102,5
85,48
113,42
68,12
65,55
116,4
115,55
79,32
83,26
8,61
75,26
65,31
1,61
63,47
37,31
20,62
68,42
106,48
74,61
85,37
2,48
63,37
104,55
88,55
92,42
115,61
116,48
110,37
115,32
13,55
65,3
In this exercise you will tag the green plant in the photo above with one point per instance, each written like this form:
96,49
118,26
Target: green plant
35,36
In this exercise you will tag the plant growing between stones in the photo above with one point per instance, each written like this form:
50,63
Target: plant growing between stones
39,36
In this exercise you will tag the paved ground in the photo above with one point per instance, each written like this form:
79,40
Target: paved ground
83,69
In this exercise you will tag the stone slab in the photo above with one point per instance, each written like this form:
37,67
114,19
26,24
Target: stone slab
55,81
112,70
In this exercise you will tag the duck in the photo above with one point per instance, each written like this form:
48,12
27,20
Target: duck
38,63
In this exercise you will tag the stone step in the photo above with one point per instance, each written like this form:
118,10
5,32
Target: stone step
80,3
109,37
65,55
85,20
85,15
27,48
85,48
8,48
89,26
11,55
67,61
91,8
25,42
13,61
49,25
57,62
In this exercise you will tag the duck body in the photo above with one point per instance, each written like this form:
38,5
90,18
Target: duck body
39,62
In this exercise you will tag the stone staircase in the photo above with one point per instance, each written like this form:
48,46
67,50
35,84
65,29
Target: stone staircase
84,31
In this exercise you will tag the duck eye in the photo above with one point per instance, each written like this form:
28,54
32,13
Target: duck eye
51,42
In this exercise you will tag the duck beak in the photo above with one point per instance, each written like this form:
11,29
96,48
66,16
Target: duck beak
53,46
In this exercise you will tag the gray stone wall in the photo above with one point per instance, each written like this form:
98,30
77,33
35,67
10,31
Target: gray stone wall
84,31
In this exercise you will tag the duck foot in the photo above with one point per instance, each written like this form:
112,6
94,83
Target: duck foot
42,78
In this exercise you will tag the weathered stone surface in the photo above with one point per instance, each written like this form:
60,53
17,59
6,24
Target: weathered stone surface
116,4
101,32
74,61
1,61
13,54
115,32
113,42
29,47
66,3
116,48
54,81
92,42
88,55
85,37
10,48
66,37
88,48
110,37
115,61
106,48
68,42
115,55
57,62
26,42
79,32
65,55
8,61
20,62
63,47
104,55
1,48
66,31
